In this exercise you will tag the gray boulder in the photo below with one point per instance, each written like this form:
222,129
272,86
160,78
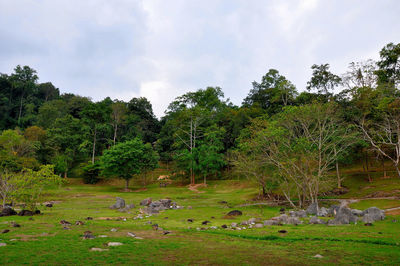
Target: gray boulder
119,204
357,212
271,222
312,209
322,212
293,220
332,211
343,216
258,225
234,225
316,220
373,214
299,214
166,203
254,220
145,202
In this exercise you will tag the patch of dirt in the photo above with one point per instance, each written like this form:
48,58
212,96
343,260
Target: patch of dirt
380,194
83,195
105,197
33,237
194,188
393,212
140,189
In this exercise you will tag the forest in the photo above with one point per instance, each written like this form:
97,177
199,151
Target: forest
291,141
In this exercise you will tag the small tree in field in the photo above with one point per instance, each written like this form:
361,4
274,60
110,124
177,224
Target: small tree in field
125,159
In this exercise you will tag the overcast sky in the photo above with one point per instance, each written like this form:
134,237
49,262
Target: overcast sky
161,49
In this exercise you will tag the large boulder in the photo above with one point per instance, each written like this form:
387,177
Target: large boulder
332,211
343,216
293,220
166,202
312,209
322,212
235,213
281,219
119,204
373,214
8,211
316,220
357,212
271,222
145,202
26,213
299,214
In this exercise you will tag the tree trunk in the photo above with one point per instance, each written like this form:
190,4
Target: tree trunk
94,144
397,169
339,181
126,184
383,168
20,110
367,167
205,181
65,174
115,133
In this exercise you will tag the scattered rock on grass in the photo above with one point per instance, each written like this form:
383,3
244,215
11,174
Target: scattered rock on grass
316,220
114,244
79,223
8,211
282,231
145,202
368,224
165,232
49,205
318,256
14,224
88,235
3,244
258,225
99,249
312,209
373,214
224,226
131,234
64,222
89,218
271,222
205,222
234,213
119,204
190,220
5,231
114,230
26,213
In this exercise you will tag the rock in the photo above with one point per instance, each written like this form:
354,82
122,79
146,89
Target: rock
114,244
322,212
65,222
8,211
282,231
312,209
299,214
205,222
293,220
165,232
89,218
224,226
3,244
233,225
189,207
37,212
234,213
282,210
254,220
66,228
316,220
145,202
138,237
102,236
356,212
99,249
13,224
283,219
26,213
79,223
155,226
166,203
271,222
190,220
119,204
368,224
114,230
88,235
49,205
332,211
343,216
131,234
373,214
244,223
258,225
214,227
5,231
318,256
222,202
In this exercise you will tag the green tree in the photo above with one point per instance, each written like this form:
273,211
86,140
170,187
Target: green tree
323,80
125,159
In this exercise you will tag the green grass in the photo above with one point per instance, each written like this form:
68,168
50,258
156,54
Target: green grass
43,241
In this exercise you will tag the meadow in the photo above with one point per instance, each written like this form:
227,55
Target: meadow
43,240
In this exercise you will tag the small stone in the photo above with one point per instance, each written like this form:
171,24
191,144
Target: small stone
49,205
318,256
114,230
165,232
224,226
102,236
138,237
88,235
205,222
282,231
3,244
233,225
131,234
190,220
155,226
235,213
79,223
64,222
368,224
114,244
99,249
66,228
258,225
5,231
189,207
13,224
89,218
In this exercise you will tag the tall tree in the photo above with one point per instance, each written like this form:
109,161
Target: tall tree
323,80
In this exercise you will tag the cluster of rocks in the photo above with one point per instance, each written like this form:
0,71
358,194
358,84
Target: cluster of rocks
121,206
8,211
154,207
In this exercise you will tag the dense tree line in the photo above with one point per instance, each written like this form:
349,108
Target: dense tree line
284,139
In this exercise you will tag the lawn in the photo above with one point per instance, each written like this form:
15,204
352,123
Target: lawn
43,241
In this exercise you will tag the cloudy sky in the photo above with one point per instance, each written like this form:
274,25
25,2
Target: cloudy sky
161,49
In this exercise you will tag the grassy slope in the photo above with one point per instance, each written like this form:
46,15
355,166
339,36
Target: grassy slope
43,241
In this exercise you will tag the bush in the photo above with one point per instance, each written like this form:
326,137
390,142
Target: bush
91,173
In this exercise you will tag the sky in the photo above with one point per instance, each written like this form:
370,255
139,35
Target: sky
161,49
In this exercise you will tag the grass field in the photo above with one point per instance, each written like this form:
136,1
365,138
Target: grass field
43,241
